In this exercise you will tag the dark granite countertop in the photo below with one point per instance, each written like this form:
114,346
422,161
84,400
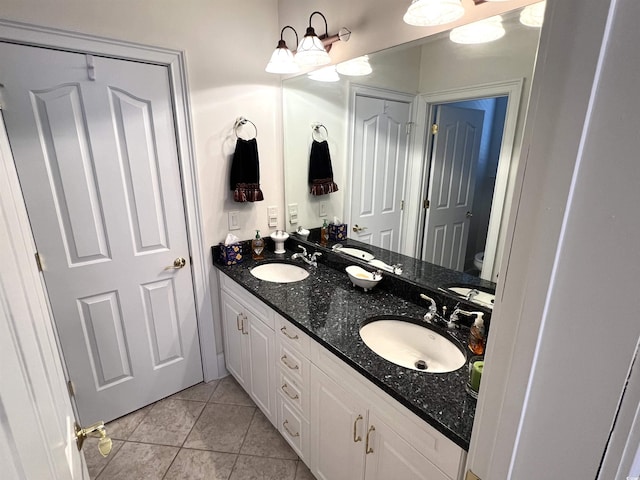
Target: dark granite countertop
329,309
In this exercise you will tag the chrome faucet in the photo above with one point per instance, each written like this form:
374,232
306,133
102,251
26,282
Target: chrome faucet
308,259
472,293
432,316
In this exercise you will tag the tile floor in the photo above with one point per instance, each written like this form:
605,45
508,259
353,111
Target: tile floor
210,431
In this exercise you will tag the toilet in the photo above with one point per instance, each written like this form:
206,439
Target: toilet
478,259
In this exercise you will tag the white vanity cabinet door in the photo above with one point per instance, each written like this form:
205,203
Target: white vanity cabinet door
338,428
389,456
249,347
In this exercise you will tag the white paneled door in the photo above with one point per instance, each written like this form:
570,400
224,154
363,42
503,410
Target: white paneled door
95,148
456,147
380,153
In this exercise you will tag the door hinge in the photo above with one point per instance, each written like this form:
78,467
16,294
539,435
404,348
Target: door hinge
434,129
38,262
401,204
409,125
71,388
426,204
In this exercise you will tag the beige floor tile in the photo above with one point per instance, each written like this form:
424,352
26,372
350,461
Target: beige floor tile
201,465
198,393
229,391
122,427
168,423
265,441
303,472
95,461
139,461
221,428
262,468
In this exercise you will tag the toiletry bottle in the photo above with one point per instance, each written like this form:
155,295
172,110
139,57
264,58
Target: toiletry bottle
324,234
257,247
477,336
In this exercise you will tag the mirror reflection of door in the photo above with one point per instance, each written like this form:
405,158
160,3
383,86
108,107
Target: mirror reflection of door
381,144
465,150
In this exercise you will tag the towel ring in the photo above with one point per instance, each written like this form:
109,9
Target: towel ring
316,131
240,122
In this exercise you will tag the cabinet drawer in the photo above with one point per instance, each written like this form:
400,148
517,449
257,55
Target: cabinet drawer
294,364
295,393
290,335
295,429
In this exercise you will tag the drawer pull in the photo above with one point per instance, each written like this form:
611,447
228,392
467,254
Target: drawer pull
284,425
285,360
244,317
368,449
238,322
284,330
357,438
285,389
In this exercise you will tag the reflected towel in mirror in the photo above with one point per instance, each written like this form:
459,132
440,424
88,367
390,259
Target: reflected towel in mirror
320,170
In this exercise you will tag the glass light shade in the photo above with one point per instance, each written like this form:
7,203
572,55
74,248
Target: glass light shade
311,51
483,31
282,61
533,15
355,68
424,13
326,74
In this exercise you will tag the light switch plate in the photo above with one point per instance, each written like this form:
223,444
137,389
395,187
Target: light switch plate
272,215
234,223
293,213
323,209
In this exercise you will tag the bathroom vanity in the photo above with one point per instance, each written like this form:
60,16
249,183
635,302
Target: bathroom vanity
348,413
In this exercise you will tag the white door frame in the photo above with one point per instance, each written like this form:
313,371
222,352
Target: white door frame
507,164
176,64
384,94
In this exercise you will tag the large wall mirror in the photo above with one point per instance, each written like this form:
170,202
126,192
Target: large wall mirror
424,149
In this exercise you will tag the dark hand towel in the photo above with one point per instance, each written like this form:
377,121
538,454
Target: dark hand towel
320,170
245,172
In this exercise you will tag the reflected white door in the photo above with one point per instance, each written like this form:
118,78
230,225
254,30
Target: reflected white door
37,437
456,147
379,161
95,150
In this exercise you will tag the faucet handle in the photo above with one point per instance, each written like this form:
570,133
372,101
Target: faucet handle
316,255
304,250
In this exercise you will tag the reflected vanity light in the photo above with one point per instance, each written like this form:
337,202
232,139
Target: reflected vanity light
313,51
282,59
483,31
424,13
356,67
326,74
533,15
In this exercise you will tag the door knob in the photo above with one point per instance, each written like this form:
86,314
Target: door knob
469,214
177,264
358,229
96,430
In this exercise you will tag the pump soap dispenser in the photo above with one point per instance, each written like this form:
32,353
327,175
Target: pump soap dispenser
477,337
257,247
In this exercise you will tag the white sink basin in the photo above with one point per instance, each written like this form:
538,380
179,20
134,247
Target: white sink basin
480,298
279,272
411,346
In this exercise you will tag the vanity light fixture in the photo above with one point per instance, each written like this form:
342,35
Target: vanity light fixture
482,31
424,13
356,67
282,60
313,51
533,15
325,74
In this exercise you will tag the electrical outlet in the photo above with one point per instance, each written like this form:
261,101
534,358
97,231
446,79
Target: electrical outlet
323,209
234,224
293,213
272,216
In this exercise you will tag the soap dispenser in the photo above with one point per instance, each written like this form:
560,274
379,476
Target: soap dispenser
477,337
324,234
257,247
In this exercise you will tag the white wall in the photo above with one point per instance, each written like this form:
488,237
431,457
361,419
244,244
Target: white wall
227,45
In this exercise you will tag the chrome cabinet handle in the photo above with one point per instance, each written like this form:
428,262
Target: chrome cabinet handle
284,330
238,325
284,425
368,449
244,317
285,389
358,438
285,361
